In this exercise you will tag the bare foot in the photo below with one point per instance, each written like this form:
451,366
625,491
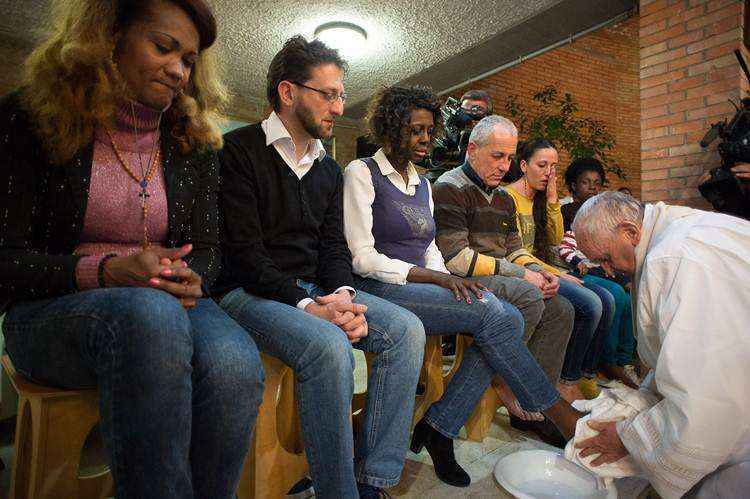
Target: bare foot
564,417
570,393
509,400
618,373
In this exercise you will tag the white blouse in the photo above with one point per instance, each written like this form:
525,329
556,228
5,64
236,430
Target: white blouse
359,194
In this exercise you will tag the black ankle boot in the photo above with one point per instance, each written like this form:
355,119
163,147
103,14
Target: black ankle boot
440,448
545,430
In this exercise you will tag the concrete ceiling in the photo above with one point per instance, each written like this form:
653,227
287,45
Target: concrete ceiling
417,41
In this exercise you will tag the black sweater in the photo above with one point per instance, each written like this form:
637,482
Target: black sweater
42,209
277,228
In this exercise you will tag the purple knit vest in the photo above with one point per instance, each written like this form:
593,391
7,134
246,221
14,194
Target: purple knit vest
402,225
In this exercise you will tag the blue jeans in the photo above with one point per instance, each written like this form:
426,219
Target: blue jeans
321,357
591,360
498,348
179,390
593,306
547,323
619,341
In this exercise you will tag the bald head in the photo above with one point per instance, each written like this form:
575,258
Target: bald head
608,228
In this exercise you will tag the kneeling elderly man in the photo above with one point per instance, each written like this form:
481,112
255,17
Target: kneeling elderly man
691,277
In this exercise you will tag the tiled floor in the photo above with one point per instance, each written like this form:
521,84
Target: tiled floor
479,459
419,480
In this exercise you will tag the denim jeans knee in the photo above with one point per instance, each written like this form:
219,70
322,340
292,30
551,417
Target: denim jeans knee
502,317
588,313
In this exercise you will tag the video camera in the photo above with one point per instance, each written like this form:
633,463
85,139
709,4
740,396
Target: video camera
725,192
448,150
456,117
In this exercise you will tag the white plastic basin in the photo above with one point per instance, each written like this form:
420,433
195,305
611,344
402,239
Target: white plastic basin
543,474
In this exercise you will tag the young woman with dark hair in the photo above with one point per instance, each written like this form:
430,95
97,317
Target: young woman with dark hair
540,224
585,178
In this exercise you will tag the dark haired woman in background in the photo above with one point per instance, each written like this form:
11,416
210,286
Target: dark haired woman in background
585,178
390,229
110,237
541,227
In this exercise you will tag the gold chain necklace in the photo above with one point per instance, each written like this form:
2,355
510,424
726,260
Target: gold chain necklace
528,192
145,177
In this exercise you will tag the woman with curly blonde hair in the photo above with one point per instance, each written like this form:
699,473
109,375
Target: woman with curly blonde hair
73,79
109,241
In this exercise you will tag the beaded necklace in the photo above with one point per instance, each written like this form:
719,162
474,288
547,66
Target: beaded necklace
146,177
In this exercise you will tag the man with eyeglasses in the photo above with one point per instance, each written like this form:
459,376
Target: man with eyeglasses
287,278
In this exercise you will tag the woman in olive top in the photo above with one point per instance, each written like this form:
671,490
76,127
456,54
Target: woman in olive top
540,224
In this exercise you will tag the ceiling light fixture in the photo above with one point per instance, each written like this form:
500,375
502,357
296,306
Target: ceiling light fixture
349,39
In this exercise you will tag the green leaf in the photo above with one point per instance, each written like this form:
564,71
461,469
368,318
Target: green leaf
557,118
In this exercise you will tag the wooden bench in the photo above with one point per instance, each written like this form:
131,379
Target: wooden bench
276,459
58,452
431,377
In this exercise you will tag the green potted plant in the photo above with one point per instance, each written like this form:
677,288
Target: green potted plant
557,119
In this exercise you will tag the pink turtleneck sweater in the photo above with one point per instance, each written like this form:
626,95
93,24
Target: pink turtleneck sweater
113,222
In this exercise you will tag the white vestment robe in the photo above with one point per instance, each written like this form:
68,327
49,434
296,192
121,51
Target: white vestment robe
692,313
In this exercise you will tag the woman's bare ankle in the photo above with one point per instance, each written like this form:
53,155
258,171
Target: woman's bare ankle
564,416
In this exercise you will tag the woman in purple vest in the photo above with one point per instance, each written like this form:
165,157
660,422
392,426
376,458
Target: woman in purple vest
390,230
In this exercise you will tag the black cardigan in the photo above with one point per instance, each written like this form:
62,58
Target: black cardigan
42,208
277,228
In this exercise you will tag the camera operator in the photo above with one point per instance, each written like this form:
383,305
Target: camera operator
459,116
478,98
742,172
735,201
727,187
476,105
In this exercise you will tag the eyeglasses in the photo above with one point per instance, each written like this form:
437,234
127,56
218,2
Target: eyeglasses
330,97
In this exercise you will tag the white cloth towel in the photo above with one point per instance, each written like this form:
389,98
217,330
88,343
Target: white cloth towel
615,404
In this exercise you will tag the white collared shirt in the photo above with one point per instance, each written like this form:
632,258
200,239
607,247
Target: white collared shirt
278,135
359,194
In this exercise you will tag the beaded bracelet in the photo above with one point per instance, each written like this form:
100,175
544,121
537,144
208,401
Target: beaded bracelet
100,272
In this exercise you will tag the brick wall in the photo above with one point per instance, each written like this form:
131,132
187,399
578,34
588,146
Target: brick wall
687,75
600,70
346,132
241,108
